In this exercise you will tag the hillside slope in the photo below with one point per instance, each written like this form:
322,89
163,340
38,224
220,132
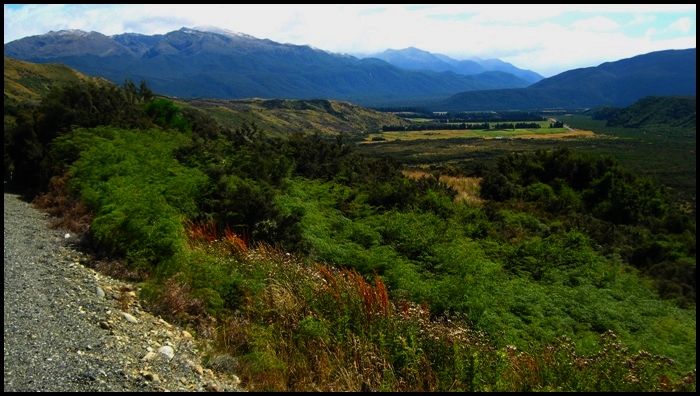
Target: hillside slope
620,83
278,117
28,82
654,112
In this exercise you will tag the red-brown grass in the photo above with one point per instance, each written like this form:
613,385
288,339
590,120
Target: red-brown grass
375,298
67,212
199,232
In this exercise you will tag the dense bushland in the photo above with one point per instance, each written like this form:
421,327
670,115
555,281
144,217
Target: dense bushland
652,113
627,215
319,269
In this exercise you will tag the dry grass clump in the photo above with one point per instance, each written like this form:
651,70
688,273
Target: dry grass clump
67,212
314,327
177,304
467,187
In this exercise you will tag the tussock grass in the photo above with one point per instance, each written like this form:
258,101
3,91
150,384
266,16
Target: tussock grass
313,327
467,187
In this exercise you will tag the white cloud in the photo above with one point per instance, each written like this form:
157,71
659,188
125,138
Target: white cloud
642,19
596,24
650,33
682,25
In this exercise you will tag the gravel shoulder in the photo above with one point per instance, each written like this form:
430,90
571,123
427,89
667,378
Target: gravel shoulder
70,328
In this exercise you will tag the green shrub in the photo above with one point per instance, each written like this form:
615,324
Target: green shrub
139,193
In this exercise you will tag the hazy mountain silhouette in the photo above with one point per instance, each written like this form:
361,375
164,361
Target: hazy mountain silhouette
415,59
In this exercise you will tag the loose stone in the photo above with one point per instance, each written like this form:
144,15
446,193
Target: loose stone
167,351
129,318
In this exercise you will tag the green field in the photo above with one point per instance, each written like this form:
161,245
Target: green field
464,133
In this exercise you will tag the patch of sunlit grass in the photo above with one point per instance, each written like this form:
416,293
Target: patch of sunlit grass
467,187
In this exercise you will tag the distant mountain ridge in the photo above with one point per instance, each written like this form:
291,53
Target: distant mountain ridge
620,84
209,62
415,59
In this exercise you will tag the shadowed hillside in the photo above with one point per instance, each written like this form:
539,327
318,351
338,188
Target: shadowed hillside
620,83
282,116
655,112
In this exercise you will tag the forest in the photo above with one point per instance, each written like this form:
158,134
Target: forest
320,266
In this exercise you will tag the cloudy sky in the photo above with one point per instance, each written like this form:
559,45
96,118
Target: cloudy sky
547,39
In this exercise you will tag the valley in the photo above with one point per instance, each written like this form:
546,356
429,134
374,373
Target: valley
330,246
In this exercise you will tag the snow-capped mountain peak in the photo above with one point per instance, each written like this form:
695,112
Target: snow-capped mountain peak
218,30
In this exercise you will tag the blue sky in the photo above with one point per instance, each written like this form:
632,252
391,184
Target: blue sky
547,39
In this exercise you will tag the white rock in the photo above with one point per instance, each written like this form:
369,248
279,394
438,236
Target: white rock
129,318
167,350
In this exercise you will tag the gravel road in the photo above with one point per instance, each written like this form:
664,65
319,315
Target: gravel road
67,329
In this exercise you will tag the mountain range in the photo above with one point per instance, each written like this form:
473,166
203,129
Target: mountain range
214,63
416,59
620,84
